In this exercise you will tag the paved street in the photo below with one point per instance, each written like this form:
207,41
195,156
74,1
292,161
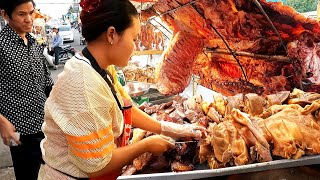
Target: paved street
6,169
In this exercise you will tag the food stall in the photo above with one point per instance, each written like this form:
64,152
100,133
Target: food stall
249,72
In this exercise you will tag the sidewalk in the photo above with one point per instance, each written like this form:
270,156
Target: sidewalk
6,169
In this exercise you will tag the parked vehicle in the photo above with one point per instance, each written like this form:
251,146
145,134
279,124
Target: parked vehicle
66,32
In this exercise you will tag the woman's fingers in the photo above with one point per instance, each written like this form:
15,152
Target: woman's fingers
165,137
169,139
199,128
199,131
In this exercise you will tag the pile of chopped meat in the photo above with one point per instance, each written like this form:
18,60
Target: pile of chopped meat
141,74
241,129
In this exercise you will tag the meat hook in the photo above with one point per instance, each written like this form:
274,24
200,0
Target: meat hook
271,23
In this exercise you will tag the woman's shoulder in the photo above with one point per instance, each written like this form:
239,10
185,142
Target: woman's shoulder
79,81
79,70
79,66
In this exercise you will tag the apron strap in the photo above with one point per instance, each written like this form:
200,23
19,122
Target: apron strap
105,74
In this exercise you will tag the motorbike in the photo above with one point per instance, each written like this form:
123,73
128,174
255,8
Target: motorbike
65,54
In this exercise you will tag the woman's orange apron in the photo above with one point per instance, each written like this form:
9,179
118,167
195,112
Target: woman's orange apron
126,112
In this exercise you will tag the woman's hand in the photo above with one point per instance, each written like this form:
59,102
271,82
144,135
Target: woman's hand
123,156
158,144
7,131
177,131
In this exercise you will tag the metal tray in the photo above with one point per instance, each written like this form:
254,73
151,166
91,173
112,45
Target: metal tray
203,172
135,88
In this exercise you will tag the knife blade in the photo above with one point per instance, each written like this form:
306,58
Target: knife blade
184,142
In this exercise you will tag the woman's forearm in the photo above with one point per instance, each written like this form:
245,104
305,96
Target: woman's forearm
143,121
121,157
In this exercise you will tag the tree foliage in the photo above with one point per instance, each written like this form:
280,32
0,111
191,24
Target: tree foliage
302,5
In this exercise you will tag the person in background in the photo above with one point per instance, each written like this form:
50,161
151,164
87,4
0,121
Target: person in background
86,114
25,83
79,27
39,34
56,46
52,34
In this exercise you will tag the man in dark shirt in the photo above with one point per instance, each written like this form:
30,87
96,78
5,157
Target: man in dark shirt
25,83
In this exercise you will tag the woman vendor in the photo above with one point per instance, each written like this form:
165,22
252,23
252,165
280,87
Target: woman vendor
84,114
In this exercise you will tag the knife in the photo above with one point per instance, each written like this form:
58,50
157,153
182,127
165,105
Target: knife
184,142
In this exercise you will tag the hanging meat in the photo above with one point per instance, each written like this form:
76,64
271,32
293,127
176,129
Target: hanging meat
174,71
150,37
147,36
245,50
159,41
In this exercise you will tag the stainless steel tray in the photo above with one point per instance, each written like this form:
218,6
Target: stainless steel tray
197,174
135,88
